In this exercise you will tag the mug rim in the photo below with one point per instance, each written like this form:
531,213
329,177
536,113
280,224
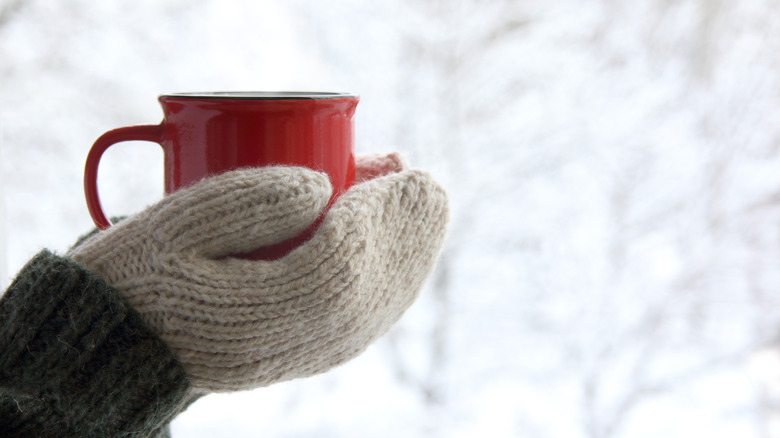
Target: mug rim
261,95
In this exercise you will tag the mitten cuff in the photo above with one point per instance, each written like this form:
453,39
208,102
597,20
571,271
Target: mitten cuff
77,360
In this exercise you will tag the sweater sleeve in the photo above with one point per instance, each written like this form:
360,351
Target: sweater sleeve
76,360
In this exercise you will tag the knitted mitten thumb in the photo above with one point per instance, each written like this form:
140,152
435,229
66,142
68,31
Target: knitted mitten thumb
237,324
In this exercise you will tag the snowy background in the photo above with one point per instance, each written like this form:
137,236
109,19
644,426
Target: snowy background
613,264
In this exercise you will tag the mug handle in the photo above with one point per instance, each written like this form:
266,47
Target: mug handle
151,133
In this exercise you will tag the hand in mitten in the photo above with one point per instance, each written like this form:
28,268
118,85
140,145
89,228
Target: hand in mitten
237,324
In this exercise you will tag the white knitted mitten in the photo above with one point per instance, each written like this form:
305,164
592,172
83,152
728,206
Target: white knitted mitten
237,324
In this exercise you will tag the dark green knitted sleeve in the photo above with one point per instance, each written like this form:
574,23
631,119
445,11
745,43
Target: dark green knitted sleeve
76,360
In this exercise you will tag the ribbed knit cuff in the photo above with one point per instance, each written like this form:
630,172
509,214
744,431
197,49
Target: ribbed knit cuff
76,360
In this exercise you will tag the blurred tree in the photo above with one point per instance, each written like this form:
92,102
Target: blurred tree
453,77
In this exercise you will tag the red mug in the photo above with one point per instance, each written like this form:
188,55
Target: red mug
205,134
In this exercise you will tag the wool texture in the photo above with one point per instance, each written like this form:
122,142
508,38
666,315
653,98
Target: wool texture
236,324
77,361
